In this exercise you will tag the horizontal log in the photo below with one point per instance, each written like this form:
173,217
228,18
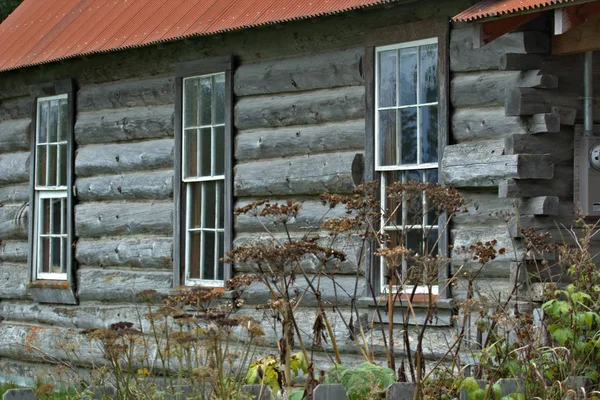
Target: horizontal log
14,251
465,237
538,79
126,124
315,71
13,281
14,167
543,205
299,140
558,145
529,101
121,286
131,93
110,219
561,185
14,194
567,115
463,57
484,208
541,123
482,164
16,108
482,89
82,316
332,172
155,185
124,157
13,221
351,246
519,62
485,123
14,135
313,107
145,252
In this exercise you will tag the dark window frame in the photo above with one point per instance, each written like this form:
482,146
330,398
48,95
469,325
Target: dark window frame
435,28
184,70
53,291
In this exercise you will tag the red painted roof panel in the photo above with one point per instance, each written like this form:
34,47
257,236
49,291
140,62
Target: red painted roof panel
39,32
497,8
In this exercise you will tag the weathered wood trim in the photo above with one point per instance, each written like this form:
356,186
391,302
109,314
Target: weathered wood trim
445,290
178,214
407,32
204,66
228,184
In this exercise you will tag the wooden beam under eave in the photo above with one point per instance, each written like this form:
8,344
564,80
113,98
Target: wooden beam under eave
487,31
568,18
584,37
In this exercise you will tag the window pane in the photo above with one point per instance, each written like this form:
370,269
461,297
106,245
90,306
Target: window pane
44,217
408,76
219,132
414,200
190,102
40,170
387,78
193,262
393,212
429,134
52,154
63,120
432,245
221,248
205,152
205,101
220,204
63,260
393,271
62,168
53,125
408,129
44,261
44,107
55,261
195,204
210,200
219,99
56,207
190,149
414,241
431,175
387,137
209,255
429,74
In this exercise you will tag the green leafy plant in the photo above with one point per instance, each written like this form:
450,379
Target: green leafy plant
267,371
366,381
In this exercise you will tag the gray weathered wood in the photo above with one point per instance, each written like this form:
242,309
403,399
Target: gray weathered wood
330,392
13,280
19,394
319,71
482,89
519,62
483,164
14,194
567,115
543,205
125,124
14,135
465,236
299,140
121,286
537,79
151,185
13,251
464,58
313,107
14,167
13,221
124,157
332,172
484,208
17,107
131,93
109,219
561,185
526,101
541,123
143,252
63,293
400,390
558,145
485,123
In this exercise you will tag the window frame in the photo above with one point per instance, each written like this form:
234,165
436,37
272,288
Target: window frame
210,66
395,37
57,288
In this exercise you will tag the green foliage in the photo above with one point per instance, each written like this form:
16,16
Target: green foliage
367,381
268,371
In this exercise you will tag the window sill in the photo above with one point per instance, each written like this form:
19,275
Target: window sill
52,291
441,315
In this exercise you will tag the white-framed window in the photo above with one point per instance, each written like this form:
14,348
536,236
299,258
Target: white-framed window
50,242
406,144
203,177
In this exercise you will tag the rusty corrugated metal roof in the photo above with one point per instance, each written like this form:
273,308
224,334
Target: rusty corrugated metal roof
43,31
497,8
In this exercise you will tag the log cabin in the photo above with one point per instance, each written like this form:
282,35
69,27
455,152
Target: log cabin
126,125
